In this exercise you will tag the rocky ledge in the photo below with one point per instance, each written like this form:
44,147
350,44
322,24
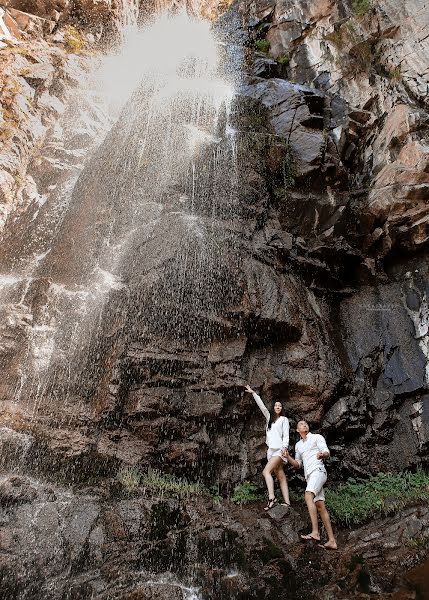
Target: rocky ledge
101,543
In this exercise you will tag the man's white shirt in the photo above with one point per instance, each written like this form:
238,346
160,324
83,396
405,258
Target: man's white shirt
307,450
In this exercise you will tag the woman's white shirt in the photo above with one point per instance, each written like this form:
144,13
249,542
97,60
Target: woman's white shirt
278,435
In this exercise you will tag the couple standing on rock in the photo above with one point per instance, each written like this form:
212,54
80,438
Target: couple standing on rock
310,452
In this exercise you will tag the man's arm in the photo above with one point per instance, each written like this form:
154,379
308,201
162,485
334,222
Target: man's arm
295,462
322,447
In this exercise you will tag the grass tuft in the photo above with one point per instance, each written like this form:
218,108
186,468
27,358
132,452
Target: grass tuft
170,485
129,478
262,45
283,60
74,39
395,74
245,493
361,7
354,502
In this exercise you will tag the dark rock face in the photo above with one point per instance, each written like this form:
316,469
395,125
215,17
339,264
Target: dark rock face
306,276
93,544
291,286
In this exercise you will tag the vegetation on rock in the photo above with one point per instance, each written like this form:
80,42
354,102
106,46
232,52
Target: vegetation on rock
354,502
245,493
130,478
361,7
262,45
170,485
73,39
283,60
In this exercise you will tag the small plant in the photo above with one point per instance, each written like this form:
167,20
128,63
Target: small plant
395,74
283,60
296,495
171,486
245,493
361,7
21,50
336,37
130,478
73,39
262,45
288,169
418,543
354,502
215,494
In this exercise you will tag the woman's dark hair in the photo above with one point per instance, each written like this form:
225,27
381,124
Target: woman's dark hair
273,416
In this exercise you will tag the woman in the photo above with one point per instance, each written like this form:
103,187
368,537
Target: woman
277,440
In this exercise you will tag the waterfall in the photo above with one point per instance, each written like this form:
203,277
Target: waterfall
141,241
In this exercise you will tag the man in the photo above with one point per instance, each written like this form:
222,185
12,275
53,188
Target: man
310,452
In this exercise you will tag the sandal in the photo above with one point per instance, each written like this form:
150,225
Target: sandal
271,502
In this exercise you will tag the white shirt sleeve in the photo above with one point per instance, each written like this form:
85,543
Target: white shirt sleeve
262,406
285,432
321,444
298,456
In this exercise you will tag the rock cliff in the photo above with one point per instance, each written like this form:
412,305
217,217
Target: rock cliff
306,276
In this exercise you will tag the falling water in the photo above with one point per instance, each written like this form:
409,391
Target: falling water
139,240
128,248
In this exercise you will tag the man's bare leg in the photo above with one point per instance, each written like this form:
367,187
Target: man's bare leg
282,479
271,466
312,511
331,544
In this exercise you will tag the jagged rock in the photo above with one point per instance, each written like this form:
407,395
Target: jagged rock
124,546
308,291
48,10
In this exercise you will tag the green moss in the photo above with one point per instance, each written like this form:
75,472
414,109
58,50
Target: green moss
245,493
361,7
355,502
74,39
262,45
283,60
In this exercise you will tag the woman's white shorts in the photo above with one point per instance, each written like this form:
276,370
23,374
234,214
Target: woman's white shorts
315,482
271,452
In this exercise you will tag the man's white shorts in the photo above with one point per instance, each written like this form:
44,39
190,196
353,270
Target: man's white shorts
315,482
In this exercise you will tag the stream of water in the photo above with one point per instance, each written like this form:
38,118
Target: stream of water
127,233
145,207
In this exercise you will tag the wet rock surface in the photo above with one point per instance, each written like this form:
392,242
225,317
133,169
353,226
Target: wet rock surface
153,547
318,296
317,312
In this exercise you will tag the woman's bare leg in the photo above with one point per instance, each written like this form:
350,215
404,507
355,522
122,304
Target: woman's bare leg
282,479
271,466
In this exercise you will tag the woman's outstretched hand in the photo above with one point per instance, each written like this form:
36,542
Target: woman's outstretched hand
249,389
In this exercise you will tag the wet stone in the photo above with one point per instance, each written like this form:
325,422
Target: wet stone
278,512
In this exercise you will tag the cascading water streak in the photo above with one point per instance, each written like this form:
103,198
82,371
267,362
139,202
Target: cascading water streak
165,170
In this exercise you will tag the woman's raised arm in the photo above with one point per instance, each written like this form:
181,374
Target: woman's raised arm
259,402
